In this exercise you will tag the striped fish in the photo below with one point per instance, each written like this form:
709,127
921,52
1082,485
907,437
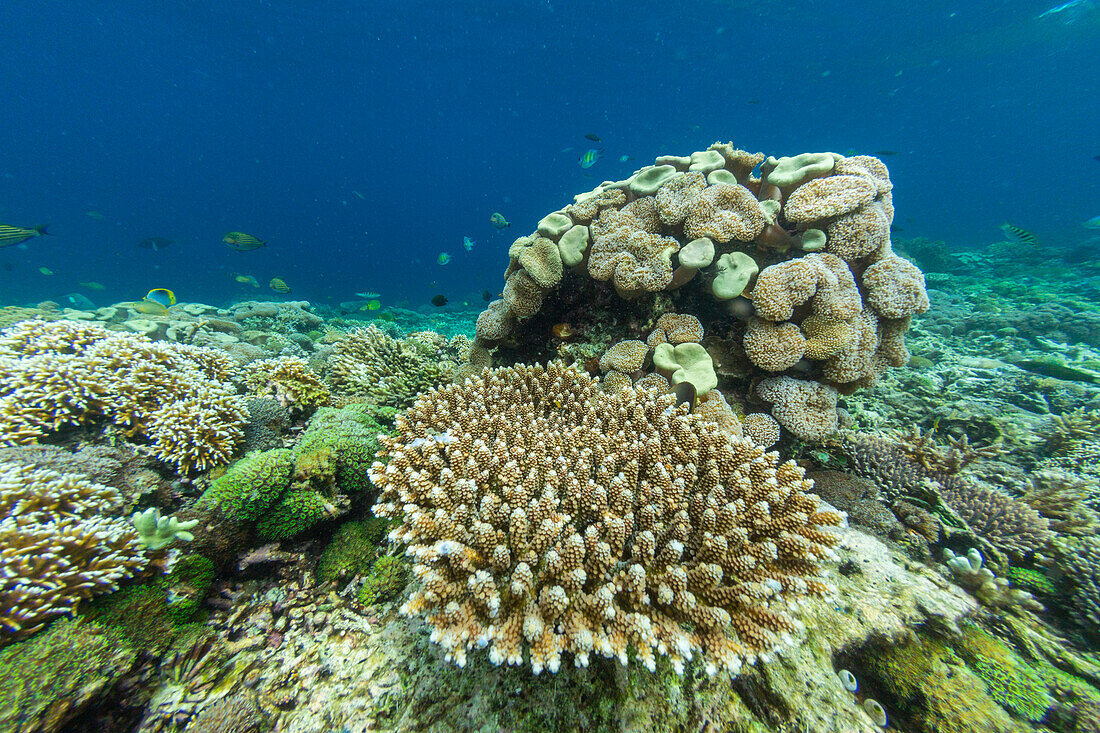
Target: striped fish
279,285
1016,234
10,235
242,242
589,158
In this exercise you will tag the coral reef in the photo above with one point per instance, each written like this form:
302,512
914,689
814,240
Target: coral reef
289,380
547,517
793,269
175,397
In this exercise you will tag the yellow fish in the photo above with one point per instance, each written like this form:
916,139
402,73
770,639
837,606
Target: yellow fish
498,221
279,285
372,305
161,296
243,242
247,280
91,285
146,307
10,235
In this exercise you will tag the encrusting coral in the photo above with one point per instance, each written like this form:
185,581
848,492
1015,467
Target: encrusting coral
178,398
800,257
545,516
289,380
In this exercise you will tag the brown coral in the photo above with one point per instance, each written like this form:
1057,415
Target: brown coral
676,328
895,288
773,347
824,198
858,233
807,409
625,356
545,518
674,197
635,261
725,212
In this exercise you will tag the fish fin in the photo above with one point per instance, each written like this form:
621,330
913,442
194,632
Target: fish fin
41,229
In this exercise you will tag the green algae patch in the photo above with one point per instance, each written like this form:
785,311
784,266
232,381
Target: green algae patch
50,677
1012,682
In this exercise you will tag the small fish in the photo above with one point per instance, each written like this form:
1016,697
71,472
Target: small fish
1016,234
498,221
468,243
1093,223
92,285
752,100
372,305
439,300
588,158
247,280
45,270
593,138
359,195
279,285
93,214
1096,157
148,307
895,228
161,296
880,153
243,242
155,243
10,235
625,158
368,295
486,296
443,258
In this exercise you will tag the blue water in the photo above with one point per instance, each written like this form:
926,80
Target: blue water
189,119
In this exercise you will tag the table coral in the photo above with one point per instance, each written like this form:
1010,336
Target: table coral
546,518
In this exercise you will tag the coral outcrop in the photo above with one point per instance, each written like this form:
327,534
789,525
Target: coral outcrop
800,258
545,518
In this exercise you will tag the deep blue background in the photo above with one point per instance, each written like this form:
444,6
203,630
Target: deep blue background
189,119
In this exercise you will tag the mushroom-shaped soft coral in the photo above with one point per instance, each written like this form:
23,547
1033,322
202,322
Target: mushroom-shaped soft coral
735,270
688,362
675,195
725,212
635,261
495,322
625,356
676,328
773,347
895,288
824,198
694,256
807,409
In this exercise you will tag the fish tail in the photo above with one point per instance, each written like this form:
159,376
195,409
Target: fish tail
41,229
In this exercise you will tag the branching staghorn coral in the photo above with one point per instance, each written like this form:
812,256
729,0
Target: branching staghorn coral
64,373
372,364
545,516
1008,524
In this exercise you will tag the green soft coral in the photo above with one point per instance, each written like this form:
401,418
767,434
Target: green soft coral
352,550
387,578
